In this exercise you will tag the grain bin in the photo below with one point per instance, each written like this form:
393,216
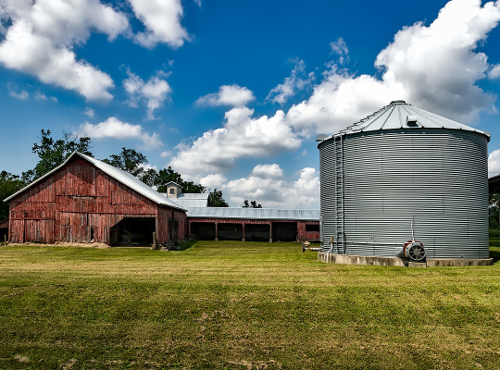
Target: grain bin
404,170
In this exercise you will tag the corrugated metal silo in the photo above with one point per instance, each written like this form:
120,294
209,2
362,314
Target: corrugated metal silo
399,167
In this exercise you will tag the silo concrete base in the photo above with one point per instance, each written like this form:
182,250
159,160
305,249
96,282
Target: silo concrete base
346,259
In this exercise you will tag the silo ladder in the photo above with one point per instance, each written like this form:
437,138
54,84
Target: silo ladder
339,194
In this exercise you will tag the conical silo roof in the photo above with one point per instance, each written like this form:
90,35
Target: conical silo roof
401,115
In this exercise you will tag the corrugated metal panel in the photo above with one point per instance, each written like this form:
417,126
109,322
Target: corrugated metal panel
253,213
435,178
122,176
394,116
186,200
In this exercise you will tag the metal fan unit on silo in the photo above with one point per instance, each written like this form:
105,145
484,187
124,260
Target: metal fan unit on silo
404,170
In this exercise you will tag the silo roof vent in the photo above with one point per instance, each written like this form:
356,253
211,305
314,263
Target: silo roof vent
394,102
321,137
411,120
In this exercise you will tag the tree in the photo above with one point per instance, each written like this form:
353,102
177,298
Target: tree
149,176
494,212
9,184
253,204
129,160
215,199
54,152
134,162
168,174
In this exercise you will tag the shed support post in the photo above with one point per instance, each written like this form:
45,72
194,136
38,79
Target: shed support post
270,232
216,234
243,231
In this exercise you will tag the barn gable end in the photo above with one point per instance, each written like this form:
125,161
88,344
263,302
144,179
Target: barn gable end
80,202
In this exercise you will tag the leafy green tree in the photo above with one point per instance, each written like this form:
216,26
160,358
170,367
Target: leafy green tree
215,199
9,184
255,205
168,174
129,160
54,152
149,176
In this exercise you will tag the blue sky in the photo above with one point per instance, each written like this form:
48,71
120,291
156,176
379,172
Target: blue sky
233,93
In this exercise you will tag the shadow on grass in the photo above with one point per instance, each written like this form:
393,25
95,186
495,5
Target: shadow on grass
495,254
186,245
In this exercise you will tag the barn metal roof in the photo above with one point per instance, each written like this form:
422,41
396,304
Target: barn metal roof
401,115
187,200
254,213
124,177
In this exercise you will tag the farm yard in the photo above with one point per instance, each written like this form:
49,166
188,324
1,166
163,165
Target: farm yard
234,305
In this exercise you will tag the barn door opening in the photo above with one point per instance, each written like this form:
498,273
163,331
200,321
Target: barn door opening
229,231
133,232
285,231
203,230
257,232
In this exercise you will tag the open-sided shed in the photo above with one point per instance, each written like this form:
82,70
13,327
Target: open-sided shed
257,224
86,200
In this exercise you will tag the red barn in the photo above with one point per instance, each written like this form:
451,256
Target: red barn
86,200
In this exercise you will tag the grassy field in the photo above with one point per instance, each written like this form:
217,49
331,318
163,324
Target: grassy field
232,305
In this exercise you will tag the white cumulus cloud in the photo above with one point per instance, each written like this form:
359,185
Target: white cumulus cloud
268,188
154,92
41,36
114,128
435,67
297,81
241,136
494,72
228,95
162,20
271,171
494,163
213,181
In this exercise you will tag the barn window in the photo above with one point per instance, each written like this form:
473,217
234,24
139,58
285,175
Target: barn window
172,191
310,228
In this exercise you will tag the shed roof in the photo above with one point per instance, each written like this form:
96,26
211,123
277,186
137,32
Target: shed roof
254,213
187,200
124,177
401,115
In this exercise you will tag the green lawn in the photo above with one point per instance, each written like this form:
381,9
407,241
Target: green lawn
234,305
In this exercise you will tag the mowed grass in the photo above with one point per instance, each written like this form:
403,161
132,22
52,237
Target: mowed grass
233,305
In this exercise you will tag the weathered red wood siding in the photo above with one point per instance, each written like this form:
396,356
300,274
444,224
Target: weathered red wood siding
77,201
307,235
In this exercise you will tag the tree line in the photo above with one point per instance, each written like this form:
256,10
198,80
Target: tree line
52,153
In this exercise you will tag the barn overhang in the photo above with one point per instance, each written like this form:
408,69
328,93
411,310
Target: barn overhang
494,184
